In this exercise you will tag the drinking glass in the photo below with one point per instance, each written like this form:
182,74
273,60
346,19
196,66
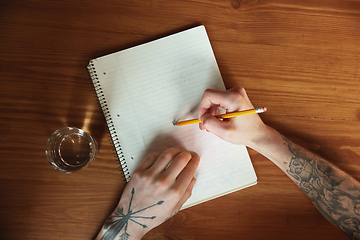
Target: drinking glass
70,149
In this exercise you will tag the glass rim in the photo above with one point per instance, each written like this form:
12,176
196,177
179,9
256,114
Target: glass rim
58,135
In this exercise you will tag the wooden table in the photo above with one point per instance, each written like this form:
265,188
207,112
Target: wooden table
298,58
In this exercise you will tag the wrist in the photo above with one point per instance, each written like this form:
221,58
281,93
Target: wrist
271,144
263,135
118,225
267,142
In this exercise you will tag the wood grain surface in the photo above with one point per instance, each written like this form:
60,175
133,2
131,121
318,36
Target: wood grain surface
298,58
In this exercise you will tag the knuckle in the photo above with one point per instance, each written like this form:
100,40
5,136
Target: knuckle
171,152
153,155
176,192
236,96
207,91
241,89
136,175
184,156
237,89
142,176
166,154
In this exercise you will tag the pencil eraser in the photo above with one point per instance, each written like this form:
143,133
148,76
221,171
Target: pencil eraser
265,109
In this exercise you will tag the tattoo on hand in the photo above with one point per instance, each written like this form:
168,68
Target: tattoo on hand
119,221
334,194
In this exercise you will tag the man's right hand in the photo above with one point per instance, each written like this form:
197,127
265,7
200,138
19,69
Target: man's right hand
244,130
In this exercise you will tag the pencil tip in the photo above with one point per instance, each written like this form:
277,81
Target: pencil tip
174,122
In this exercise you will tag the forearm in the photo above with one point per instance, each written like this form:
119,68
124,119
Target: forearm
334,193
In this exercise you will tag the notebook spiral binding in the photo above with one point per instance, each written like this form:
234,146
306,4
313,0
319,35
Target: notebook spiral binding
112,131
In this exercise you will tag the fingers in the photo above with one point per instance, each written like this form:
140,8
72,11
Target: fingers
182,169
178,163
215,98
171,163
232,100
149,161
244,96
173,167
186,195
235,99
164,159
215,125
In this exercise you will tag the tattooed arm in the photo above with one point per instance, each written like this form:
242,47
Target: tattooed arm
157,190
334,193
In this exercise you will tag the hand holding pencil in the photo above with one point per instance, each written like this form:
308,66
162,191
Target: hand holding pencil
242,130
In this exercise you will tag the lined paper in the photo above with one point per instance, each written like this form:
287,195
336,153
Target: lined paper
149,86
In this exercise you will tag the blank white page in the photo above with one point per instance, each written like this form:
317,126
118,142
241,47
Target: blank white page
149,86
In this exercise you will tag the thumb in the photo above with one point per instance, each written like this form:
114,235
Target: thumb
214,124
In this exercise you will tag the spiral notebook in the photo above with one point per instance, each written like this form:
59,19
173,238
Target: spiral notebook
143,89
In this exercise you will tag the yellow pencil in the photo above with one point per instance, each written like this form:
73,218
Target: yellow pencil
226,115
